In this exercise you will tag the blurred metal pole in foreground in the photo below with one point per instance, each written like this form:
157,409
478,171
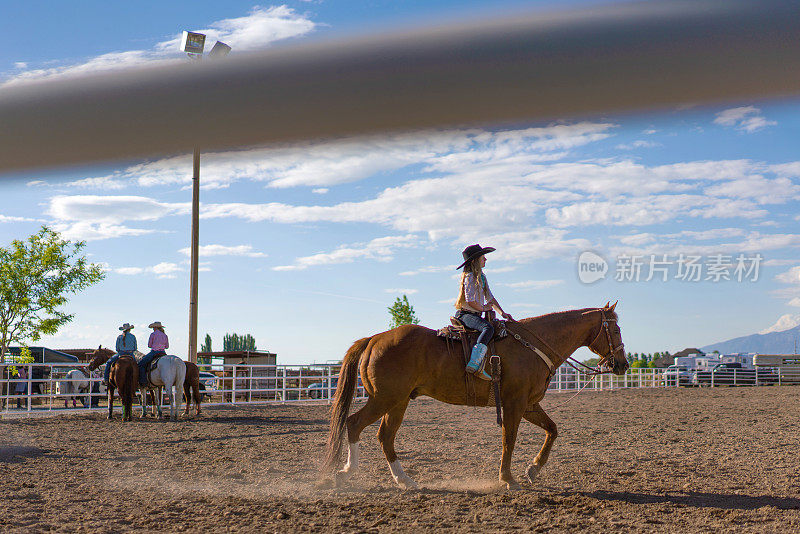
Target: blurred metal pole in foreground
537,66
195,256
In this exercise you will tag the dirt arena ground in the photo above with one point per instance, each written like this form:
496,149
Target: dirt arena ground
707,460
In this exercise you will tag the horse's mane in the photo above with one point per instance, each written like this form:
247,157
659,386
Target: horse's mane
554,316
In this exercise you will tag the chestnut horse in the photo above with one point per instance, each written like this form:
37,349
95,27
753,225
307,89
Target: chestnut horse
405,362
191,387
124,376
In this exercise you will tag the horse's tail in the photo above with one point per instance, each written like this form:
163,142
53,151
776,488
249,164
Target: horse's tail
348,378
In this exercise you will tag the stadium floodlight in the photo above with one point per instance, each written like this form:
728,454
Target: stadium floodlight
219,49
192,43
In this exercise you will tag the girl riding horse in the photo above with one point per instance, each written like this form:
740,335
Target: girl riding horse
474,298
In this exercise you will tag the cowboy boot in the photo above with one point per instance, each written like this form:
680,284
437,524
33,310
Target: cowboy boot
475,365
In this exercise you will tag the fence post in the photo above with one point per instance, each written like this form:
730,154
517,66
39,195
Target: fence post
330,384
734,376
283,384
233,386
712,377
50,389
250,384
30,387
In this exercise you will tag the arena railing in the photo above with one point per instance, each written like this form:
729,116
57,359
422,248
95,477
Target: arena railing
46,388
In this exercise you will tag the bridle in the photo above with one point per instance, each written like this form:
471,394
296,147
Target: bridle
608,359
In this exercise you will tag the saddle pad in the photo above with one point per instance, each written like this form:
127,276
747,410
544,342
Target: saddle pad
452,332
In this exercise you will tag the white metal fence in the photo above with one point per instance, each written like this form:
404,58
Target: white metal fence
45,388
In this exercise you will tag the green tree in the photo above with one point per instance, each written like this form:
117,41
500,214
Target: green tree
401,312
206,346
36,277
234,341
25,356
638,364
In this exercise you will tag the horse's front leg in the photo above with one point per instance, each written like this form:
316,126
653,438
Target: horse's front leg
512,415
535,414
143,401
159,393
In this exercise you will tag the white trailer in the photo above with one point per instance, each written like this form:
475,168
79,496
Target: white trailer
743,358
689,362
707,362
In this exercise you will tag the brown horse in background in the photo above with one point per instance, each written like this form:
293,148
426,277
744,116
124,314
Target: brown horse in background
124,376
191,387
403,363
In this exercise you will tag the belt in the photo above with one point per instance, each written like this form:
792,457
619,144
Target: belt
470,312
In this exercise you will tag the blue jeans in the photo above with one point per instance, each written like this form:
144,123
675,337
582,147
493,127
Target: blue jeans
144,362
476,322
111,361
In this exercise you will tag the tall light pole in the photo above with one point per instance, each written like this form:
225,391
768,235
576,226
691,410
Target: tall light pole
192,43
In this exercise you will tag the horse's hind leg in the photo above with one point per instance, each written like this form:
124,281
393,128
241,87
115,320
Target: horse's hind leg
536,415
110,401
511,418
356,423
386,433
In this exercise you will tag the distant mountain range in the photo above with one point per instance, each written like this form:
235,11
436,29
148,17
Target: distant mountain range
772,343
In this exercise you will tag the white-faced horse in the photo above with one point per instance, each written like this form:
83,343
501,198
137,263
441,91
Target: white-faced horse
75,382
169,373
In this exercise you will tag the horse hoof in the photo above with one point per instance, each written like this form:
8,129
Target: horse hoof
407,484
340,478
324,484
533,472
513,486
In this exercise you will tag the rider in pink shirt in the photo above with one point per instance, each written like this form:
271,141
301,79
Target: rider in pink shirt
158,343
158,340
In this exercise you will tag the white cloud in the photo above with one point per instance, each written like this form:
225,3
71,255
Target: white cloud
428,269
320,165
672,244
260,28
320,190
779,263
96,231
792,276
111,208
638,144
533,284
784,322
224,250
160,270
794,302
746,119
402,291
92,217
13,219
36,183
20,65
380,249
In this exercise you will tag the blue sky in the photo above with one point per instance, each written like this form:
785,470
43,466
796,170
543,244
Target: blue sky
322,237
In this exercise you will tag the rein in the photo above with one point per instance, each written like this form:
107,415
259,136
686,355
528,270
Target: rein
571,361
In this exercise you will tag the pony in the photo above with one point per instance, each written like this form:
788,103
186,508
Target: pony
75,382
124,376
191,387
408,361
170,373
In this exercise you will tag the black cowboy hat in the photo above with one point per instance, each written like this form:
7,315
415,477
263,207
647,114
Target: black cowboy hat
474,251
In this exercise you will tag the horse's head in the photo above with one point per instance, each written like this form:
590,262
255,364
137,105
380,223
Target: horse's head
99,357
607,343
